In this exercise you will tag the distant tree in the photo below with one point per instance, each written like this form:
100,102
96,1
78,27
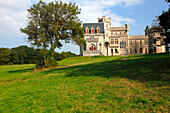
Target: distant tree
4,56
107,46
49,23
22,55
14,56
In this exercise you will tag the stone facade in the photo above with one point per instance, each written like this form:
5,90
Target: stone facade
156,41
120,43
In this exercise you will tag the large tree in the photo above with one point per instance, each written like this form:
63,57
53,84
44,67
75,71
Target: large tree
52,22
167,0
164,22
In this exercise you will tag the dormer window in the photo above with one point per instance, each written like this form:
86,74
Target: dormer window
92,30
87,30
98,30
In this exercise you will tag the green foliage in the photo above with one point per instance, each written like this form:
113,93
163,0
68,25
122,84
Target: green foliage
28,55
49,23
4,56
14,56
22,55
52,62
164,19
120,84
39,59
167,1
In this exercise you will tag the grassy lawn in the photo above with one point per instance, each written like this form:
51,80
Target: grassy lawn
138,83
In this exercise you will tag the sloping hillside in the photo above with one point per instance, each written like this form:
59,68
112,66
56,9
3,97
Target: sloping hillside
82,84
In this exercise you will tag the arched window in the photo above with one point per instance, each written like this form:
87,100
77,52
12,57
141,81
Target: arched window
87,30
112,52
141,50
98,30
116,51
130,50
145,50
92,30
92,47
140,42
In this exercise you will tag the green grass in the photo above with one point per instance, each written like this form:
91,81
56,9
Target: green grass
100,84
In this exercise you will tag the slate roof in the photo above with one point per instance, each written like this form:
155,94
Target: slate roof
94,25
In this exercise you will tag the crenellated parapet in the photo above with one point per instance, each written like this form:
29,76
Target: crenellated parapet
138,37
118,28
126,28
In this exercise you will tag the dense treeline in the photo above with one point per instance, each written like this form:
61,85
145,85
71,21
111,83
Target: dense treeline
28,55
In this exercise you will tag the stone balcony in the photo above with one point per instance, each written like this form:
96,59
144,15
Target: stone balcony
91,53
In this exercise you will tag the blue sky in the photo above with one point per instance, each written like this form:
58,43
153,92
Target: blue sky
137,13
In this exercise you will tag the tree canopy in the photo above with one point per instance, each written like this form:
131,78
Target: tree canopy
49,23
28,55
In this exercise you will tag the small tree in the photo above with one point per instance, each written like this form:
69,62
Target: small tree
49,23
107,46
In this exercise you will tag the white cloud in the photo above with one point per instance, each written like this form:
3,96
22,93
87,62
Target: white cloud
12,17
13,13
91,10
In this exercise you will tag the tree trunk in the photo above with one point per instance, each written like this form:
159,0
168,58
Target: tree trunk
107,50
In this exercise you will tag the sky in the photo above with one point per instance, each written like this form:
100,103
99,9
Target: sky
137,13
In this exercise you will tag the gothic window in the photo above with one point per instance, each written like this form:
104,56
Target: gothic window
145,50
92,30
116,41
141,50
116,51
140,42
130,50
154,41
112,52
122,44
130,42
98,30
92,47
87,30
112,41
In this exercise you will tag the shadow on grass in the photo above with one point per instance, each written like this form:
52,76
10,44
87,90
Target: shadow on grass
22,70
144,69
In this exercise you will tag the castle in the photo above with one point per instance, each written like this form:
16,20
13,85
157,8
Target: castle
102,39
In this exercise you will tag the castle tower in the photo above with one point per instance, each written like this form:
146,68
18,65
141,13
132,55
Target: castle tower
127,28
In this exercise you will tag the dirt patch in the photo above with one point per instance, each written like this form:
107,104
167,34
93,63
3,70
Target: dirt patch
46,76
